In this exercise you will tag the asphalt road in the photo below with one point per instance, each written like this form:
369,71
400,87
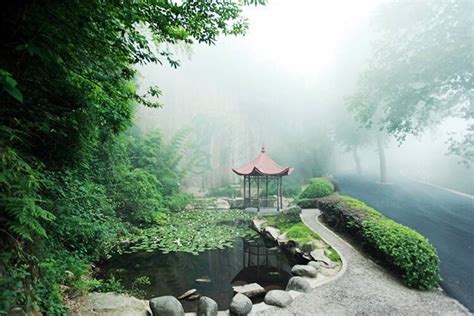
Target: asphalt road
445,218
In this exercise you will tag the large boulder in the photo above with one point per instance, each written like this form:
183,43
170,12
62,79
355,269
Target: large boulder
207,307
240,305
299,284
304,270
166,306
111,304
278,298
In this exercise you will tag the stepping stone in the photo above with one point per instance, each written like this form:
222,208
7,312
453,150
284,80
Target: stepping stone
187,293
249,290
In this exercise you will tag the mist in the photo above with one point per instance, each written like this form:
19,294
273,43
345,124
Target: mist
284,86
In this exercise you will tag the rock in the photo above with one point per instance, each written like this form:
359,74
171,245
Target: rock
241,304
299,284
112,304
207,307
316,264
249,290
204,279
187,293
193,297
166,306
304,270
222,204
282,240
278,298
318,255
257,224
272,232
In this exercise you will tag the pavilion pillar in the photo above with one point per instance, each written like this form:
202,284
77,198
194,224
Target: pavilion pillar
281,192
250,193
266,191
258,193
245,187
278,194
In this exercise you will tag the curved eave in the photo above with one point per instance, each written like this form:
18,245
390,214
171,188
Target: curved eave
258,172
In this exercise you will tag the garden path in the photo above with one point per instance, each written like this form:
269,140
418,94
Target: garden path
364,288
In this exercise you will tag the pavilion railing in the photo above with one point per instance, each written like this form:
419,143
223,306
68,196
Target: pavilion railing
263,202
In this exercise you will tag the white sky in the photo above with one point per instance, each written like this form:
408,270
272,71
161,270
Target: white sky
302,35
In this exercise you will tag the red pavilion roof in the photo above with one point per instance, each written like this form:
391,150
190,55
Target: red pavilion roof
263,165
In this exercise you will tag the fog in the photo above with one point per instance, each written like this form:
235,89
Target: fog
285,86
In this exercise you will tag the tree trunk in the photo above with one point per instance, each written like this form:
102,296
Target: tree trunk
383,166
357,160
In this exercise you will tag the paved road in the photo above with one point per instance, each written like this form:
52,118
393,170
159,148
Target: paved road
364,288
445,218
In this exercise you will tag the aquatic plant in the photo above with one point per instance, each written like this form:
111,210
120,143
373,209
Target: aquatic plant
194,232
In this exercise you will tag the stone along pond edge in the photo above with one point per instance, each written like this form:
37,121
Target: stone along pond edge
305,278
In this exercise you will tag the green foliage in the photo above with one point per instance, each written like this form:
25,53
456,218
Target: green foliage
138,197
333,255
68,174
10,85
227,190
301,233
194,232
402,248
20,199
307,203
317,188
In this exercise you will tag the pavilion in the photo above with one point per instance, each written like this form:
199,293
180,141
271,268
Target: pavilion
262,170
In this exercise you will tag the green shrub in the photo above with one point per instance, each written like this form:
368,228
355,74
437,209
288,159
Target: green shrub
138,197
179,201
318,187
402,248
307,203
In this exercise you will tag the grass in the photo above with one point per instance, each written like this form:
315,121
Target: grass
296,230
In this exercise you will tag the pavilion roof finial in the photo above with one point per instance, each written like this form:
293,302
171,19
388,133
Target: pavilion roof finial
263,148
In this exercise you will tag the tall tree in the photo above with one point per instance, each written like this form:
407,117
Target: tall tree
421,71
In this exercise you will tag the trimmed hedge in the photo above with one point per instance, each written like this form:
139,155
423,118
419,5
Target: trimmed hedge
317,188
400,247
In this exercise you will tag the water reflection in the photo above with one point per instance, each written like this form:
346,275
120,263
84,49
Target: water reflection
212,273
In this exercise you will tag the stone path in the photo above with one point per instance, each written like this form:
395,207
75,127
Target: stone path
364,288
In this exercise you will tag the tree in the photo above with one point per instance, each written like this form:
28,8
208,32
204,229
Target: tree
352,137
67,92
421,71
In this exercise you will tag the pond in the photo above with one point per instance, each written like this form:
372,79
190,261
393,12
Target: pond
212,273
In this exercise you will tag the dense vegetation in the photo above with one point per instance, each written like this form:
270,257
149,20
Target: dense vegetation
317,188
402,248
71,182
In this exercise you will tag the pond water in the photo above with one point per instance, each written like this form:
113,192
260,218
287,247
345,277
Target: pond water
212,273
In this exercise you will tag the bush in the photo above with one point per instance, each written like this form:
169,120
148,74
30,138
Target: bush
400,247
307,203
318,187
